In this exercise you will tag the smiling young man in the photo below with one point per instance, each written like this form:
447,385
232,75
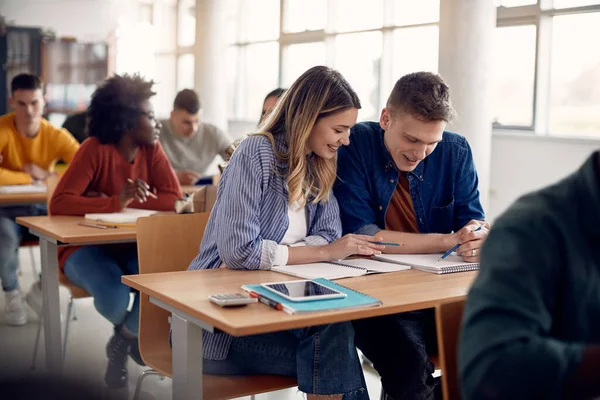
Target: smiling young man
409,181
29,148
191,145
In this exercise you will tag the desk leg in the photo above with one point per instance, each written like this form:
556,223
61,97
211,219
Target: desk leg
187,359
51,307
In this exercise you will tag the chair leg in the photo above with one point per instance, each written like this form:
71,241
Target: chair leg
138,386
32,256
67,324
37,343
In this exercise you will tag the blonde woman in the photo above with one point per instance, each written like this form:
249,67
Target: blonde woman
275,207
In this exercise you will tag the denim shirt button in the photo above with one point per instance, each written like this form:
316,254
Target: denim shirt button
391,181
380,208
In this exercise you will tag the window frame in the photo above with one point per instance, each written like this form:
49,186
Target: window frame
540,15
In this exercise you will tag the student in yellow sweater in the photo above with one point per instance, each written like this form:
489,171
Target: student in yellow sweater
29,148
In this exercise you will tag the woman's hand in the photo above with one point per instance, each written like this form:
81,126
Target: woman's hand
353,244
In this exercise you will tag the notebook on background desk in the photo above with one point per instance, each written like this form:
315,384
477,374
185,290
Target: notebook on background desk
126,218
340,269
10,189
430,263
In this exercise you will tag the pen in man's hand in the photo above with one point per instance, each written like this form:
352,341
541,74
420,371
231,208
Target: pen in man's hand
446,254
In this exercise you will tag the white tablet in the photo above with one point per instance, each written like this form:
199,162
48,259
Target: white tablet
304,290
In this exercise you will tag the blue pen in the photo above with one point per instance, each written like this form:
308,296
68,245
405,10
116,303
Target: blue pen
446,254
386,244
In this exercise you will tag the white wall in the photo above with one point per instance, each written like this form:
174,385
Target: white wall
523,163
86,20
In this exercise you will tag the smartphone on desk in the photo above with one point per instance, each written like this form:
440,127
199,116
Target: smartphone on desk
304,290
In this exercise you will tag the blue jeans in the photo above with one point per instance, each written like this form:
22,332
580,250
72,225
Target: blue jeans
322,358
11,235
98,270
399,346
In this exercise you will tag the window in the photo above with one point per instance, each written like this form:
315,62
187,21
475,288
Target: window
513,75
415,49
547,69
300,57
256,74
164,76
573,3
517,3
185,71
186,23
358,58
545,74
305,15
259,20
410,12
356,15
575,76
165,27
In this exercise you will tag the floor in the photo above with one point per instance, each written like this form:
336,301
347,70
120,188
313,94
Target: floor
86,358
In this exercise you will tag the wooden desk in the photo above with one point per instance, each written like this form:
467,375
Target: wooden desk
63,231
185,293
18,199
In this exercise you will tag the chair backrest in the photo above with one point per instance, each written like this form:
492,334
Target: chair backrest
448,318
165,243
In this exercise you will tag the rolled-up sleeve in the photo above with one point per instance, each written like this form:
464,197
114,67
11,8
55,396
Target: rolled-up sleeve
506,350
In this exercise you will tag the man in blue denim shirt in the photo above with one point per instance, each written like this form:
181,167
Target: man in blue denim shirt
410,182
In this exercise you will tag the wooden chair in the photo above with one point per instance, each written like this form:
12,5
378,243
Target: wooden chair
75,292
448,318
169,243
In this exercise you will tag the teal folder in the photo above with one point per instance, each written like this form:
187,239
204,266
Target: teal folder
353,299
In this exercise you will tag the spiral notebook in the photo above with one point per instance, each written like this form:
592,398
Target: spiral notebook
353,299
340,269
430,263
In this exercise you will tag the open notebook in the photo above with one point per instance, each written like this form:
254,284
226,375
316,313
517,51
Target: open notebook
127,217
339,269
353,299
430,263
8,189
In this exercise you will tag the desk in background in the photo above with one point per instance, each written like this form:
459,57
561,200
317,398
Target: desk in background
20,199
63,231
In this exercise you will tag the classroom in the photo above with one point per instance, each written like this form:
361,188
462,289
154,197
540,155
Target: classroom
299,199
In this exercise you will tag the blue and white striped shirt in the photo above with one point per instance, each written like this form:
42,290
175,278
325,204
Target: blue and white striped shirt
250,217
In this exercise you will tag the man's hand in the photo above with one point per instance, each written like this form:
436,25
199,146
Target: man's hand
471,241
36,172
187,177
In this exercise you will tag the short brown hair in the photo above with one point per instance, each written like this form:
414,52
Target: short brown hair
187,100
424,95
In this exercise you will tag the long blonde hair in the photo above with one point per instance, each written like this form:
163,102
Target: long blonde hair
317,93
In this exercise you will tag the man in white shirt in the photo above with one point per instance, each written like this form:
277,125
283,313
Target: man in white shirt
191,145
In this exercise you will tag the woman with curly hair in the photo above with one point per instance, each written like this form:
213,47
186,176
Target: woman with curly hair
120,165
